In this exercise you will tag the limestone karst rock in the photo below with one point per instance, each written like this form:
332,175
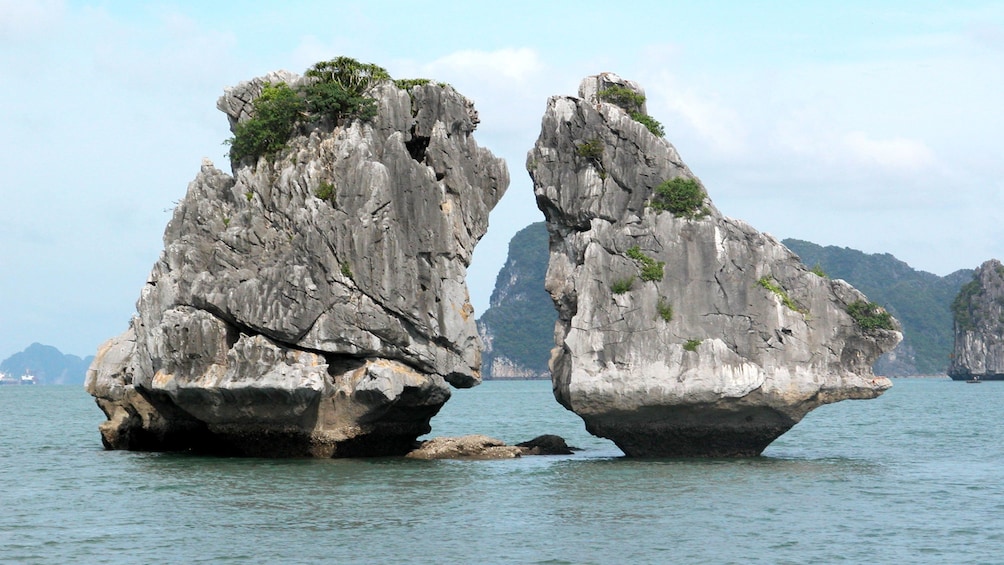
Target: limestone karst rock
680,333
278,322
979,325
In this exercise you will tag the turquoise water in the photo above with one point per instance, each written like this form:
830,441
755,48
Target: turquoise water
916,476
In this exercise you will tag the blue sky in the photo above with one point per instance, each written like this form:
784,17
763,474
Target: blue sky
871,125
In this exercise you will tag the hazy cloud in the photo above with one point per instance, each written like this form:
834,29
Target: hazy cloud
516,64
897,154
22,19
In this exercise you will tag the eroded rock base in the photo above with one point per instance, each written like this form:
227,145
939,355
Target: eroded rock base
687,432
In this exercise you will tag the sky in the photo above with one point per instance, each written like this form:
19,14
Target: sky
871,125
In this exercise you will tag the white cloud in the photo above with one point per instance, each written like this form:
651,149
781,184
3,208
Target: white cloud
514,64
714,121
896,154
24,18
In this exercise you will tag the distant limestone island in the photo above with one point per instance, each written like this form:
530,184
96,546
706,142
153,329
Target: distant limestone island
979,326
313,301
43,364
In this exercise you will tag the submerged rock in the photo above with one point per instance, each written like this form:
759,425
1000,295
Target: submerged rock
681,332
484,447
314,303
979,325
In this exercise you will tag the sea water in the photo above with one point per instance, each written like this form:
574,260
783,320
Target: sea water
915,476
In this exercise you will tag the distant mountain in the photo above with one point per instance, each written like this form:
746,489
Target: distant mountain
518,327
49,365
920,301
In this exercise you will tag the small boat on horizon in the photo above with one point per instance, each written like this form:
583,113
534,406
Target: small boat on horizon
974,380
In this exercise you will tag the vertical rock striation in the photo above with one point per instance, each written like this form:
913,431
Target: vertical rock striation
680,333
979,325
280,323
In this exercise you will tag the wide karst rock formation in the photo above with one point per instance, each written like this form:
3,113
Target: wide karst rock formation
681,332
978,312
313,303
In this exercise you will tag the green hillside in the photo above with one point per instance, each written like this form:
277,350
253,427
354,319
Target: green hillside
521,316
919,300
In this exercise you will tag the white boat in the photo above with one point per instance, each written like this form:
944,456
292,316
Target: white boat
27,379
6,379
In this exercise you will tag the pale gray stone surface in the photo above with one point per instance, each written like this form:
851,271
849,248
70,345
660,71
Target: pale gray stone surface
979,342
760,366
276,323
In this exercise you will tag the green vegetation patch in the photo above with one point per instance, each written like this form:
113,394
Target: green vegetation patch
591,149
665,310
651,270
681,196
409,83
334,96
631,102
325,191
962,305
818,271
623,97
770,284
653,125
870,316
620,286
276,111
346,270
692,344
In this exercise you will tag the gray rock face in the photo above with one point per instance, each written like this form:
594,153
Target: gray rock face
979,325
277,323
703,359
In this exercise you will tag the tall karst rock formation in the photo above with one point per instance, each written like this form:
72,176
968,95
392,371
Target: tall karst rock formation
314,303
978,312
681,332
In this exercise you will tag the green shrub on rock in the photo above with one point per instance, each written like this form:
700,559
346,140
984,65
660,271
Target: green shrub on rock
336,94
665,310
325,191
770,284
409,83
631,102
870,316
620,286
276,111
651,270
681,196
622,96
649,122
692,344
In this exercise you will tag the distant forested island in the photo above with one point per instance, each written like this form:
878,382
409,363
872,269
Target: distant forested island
48,365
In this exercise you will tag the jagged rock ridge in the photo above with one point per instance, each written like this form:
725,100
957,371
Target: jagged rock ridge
687,334
277,322
979,325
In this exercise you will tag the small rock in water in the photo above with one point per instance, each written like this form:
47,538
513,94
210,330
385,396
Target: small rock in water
465,447
547,444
